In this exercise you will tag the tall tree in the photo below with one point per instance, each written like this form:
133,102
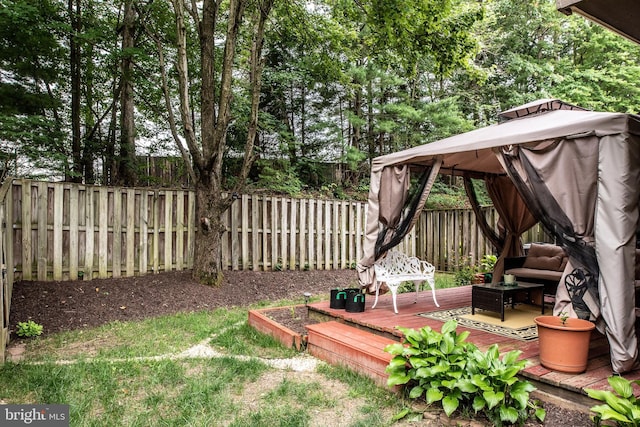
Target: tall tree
75,58
32,84
531,51
397,42
127,157
214,72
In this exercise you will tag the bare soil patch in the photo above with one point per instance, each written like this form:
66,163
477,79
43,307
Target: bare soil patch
70,305
294,318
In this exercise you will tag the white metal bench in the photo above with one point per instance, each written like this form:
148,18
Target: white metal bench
396,268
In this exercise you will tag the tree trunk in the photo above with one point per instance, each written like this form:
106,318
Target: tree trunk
88,146
75,53
216,93
127,157
210,203
207,260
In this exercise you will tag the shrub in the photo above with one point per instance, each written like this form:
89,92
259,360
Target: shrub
443,367
464,276
464,270
28,329
620,405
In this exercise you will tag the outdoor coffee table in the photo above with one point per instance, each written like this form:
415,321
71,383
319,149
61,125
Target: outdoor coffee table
493,297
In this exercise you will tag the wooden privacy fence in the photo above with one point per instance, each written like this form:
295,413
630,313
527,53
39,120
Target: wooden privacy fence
6,274
65,231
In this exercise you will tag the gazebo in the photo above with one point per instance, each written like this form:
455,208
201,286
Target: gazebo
575,171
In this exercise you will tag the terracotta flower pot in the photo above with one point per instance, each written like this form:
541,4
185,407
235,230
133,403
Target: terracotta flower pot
564,348
478,278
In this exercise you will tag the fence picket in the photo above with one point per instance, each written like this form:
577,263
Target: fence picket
143,236
293,226
74,232
168,230
245,231
179,230
42,230
284,222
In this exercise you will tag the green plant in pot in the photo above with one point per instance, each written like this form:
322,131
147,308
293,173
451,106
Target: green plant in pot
564,342
488,263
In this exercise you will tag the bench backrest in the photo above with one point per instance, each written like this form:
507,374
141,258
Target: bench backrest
398,264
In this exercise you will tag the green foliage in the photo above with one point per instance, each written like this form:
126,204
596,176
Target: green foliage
285,182
530,51
488,262
563,315
28,329
343,81
464,275
449,193
621,405
442,367
464,271
354,158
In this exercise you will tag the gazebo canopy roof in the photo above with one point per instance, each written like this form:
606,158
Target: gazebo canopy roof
537,121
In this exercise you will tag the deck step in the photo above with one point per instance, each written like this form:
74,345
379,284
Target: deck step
340,344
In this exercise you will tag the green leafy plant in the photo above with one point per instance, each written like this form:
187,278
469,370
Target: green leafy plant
28,329
464,270
488,262
443,367
464,275
563,315
620,405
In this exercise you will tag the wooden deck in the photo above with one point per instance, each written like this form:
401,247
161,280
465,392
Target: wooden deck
383,321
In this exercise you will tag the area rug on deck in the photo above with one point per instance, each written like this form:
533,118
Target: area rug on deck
518,322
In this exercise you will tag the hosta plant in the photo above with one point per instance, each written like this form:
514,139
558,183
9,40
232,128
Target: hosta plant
28,329
620,405
442,367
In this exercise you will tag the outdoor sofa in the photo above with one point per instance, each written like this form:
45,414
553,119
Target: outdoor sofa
544,263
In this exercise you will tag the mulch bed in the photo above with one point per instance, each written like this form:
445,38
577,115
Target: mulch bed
294,318
63,306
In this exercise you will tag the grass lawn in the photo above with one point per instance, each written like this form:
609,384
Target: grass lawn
110,378
126,374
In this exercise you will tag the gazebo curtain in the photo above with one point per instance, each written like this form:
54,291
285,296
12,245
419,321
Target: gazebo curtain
515,219
397,214
570,186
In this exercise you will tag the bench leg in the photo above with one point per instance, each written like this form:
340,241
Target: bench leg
393,287
432,283
377,291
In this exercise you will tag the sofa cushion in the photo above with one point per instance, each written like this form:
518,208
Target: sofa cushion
534,273
544,257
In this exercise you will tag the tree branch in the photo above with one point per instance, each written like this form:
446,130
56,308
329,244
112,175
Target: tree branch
255,78
170,116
